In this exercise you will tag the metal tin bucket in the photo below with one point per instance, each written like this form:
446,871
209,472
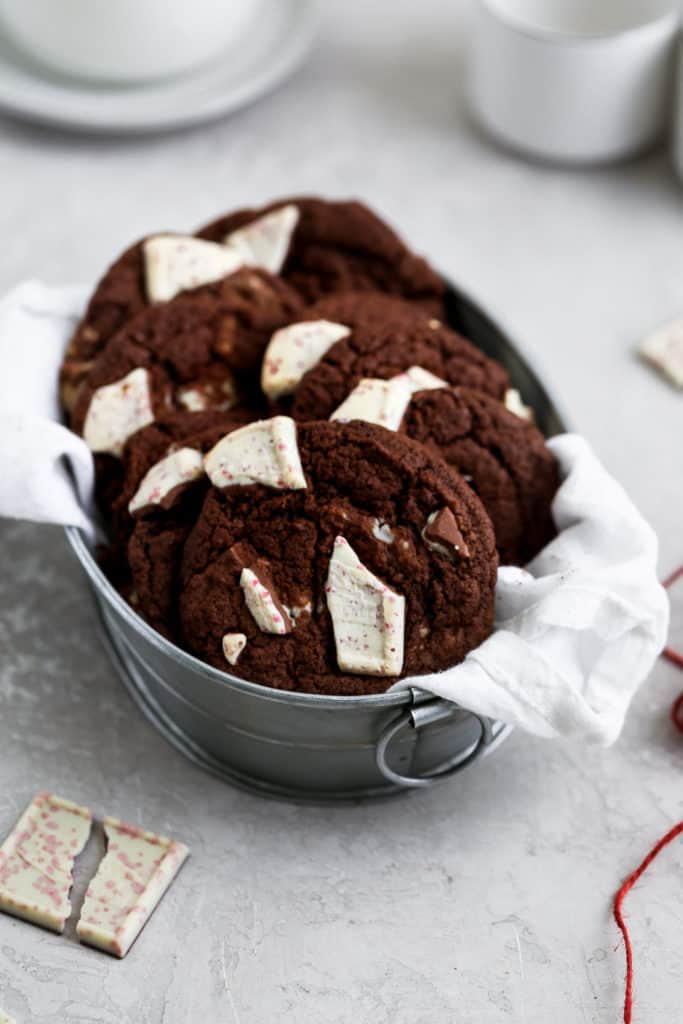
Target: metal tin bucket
306,746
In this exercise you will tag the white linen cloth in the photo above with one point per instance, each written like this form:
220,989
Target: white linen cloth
576,634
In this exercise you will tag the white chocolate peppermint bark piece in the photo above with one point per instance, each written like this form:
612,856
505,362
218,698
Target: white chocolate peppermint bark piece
266,610
37,858
368,618
233,644
293,350
165,479
265,242
265,452
221,395
424,380
117,411
383,402
177,263
136,871
664,350
512,400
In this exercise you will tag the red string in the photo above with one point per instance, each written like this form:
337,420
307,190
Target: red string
677,830
619,917
676,717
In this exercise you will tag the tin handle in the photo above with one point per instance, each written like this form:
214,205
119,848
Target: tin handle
421,714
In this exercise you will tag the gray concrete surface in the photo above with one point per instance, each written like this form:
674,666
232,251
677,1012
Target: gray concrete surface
480,902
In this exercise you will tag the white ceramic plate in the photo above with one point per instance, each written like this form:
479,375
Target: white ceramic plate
242,74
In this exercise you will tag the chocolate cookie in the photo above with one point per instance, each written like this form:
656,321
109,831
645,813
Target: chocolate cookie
161,493
175,356
504,459
311,368
334,558
234,316
341,247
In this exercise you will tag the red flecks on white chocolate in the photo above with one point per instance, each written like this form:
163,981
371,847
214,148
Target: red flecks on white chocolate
293,350
37,858
377,401
664,350
177,263
233,645
512,400
116,411
265,242
135,872
175,470
265,452
265,611
368,617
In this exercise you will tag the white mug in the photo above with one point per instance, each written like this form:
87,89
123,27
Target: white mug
126,40
573,80
677,140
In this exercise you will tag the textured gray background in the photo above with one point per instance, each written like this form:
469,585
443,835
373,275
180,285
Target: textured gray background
484,901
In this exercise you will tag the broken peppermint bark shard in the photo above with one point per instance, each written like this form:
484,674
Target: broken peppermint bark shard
441,533
136,871
664,350
210,394
267,612
233,645
116,411
265,452
164,481
265,242
368,617
514,404
424,380
377,401
293,350
176,263
37,858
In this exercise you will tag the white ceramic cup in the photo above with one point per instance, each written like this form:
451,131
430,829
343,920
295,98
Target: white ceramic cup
573,80
677,139
125,40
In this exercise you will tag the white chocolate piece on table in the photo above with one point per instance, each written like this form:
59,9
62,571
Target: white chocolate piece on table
512,400
265,452
265,241
368,617
233,645
265,610
175,470
177,263
664,350
37,858
383,402
117,411
293,350
135,872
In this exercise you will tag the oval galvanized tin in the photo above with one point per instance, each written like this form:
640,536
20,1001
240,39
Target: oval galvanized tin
307,746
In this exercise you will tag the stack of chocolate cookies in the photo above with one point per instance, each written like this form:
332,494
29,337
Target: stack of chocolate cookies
308,478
